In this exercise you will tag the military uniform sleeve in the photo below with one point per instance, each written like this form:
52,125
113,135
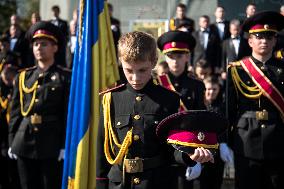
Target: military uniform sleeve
15,115
231,103
67,81
102,166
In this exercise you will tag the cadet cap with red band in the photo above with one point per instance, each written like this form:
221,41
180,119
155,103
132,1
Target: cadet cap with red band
176,41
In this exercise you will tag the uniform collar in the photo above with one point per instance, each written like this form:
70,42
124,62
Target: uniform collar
147,89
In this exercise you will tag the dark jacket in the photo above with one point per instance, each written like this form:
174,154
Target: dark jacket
229,54
212,53
152,105
41,140
252,138
191,90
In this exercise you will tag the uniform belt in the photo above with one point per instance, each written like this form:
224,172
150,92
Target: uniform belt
42,118
253,114
141,164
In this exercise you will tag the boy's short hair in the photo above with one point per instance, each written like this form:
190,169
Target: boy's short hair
202,63
137,46
213,79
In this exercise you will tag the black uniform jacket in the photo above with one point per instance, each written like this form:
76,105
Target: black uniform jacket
252,138
191,90
45,139
152,104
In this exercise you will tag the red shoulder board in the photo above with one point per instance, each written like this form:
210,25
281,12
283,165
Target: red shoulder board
111,89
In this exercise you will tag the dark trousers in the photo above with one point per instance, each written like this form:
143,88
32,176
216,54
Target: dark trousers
261,174
212,174
40,174
178,179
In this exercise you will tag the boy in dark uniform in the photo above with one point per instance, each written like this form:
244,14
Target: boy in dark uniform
38,112
177,45
129,154
256,107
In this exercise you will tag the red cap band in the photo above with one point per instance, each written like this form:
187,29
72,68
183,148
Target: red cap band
193,139
175,46
262,28
44,33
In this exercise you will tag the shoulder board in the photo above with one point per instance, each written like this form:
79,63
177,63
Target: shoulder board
238,63
27,69
111,89
63,68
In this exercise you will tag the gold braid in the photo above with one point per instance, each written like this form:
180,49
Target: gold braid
23,88
242,86
110,137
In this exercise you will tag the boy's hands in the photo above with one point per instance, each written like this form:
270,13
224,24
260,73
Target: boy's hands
202,155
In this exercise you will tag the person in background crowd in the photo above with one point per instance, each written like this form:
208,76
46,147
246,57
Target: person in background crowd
212,174
35,18
221,25
177,46
6,55
72,43
207,44
9,178
162,68
63,26
255,107
250,10
202,69
39,111
130,114
234,48
19,45
115,26
181,16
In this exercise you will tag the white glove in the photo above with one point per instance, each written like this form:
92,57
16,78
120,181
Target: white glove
11,155
61,155
226,153
193,172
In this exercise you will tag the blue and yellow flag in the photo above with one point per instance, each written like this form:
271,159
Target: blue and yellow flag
94,69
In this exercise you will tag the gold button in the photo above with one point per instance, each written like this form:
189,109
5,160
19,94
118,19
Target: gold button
176,84
137,117
40,75
38,86
36,100
118,123
136,180
53,89
248,82
138,98
188,98
263,126
136,137
35,129
156,122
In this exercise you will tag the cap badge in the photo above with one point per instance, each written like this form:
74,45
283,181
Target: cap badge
200,136
266,26
174,44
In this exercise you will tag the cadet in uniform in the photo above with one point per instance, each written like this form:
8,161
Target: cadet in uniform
177,45
38,113
129,154
256,107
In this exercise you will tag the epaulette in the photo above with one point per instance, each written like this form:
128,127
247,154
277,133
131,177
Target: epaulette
27,69
111,89
64,68
237,63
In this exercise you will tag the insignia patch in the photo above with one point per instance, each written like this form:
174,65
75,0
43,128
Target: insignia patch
200,136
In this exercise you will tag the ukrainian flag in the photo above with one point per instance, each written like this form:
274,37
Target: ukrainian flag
94,69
